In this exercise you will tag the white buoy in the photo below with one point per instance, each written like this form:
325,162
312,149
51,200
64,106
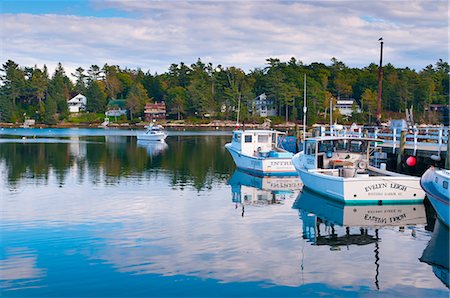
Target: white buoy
435,157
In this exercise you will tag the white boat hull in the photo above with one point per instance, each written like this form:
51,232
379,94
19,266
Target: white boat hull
152,137
262,166
365,190
432,182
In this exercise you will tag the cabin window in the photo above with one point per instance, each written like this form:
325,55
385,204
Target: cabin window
247,139
445,184
263,139
355,146
310,148
237,137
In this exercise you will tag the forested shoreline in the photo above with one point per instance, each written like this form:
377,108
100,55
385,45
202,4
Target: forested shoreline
203,90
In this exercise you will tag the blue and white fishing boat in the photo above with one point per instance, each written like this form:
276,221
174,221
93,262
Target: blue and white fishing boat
436,182
340,167
260,152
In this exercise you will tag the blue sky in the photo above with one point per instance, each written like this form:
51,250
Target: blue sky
153,34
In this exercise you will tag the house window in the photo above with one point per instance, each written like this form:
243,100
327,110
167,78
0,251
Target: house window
248,139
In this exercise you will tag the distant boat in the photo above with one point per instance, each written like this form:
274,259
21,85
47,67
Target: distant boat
153,133
340,168
260,152
436,182
105,123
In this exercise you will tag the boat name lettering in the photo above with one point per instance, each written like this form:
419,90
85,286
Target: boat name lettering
376,186
375,219
280,163
383,220
391,185
310,161
397,218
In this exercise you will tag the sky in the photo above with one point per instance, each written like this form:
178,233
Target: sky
152,35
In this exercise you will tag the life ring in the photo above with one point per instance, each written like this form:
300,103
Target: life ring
362,164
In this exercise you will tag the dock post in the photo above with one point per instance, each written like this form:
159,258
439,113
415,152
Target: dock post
447,158
416,132
401,149
394,139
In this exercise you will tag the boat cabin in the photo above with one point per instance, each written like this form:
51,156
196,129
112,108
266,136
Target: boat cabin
258,142
336,152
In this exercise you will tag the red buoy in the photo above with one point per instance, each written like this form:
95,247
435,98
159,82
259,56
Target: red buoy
411,161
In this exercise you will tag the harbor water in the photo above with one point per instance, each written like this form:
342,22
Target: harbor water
95,213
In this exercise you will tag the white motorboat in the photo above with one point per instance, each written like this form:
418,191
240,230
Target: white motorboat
436,182
340,168
153,133
260,152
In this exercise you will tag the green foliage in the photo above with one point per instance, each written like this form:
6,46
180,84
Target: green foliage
207,91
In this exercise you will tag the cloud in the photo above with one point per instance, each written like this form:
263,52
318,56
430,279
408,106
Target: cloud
235,33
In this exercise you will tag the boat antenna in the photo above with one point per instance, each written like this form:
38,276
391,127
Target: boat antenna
239,108
304,114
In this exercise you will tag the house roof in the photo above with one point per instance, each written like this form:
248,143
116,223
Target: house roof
121,103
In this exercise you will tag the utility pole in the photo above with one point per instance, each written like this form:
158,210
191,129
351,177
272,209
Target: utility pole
380,79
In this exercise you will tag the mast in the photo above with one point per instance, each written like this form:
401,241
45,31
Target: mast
304,114
380,80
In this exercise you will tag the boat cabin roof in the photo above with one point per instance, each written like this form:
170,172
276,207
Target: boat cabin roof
346,138
258,131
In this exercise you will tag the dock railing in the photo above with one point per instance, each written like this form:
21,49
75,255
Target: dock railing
430,138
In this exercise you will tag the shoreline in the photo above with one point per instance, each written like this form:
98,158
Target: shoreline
213,125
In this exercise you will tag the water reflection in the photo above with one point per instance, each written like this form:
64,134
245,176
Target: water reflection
247,189
153,148
436,254
112,158
334,224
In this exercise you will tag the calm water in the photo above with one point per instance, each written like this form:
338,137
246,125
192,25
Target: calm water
94,213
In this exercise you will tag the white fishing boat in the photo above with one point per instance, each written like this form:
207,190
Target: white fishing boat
340,168
260,152
153,133
436,182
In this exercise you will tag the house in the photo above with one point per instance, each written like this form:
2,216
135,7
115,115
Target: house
263,107
116,108
155,111
77,104
346,107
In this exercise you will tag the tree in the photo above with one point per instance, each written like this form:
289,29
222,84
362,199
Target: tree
136,100
96,97
13,81
80,84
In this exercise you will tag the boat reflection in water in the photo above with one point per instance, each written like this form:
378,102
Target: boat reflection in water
327,222
153,148
436,254
253,190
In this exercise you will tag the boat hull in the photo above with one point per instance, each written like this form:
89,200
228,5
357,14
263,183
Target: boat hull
152,137
262,166
432,183
365,190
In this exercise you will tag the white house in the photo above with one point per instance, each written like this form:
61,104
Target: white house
77,103
263,107
346,107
